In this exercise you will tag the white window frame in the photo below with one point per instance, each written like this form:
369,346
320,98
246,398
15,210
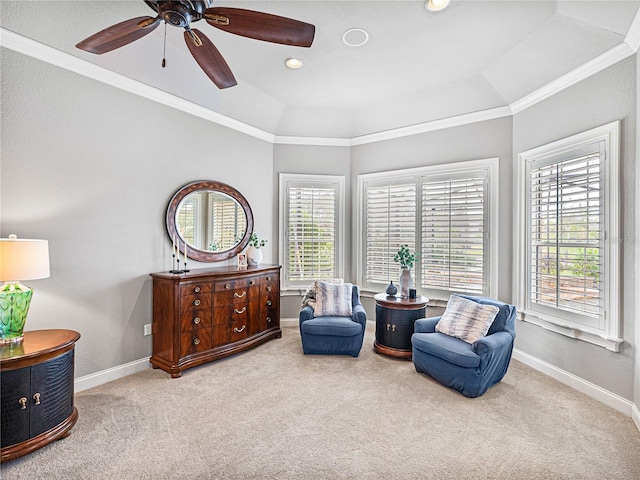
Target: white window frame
490,165
335,181
608,335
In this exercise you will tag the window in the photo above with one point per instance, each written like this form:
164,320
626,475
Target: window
312,220
568,262
444,213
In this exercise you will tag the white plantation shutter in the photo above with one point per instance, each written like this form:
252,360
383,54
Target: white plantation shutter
566,234
453,234
444,214
312,224
390,223
228,225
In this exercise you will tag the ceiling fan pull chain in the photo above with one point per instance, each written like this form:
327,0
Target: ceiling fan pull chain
164,46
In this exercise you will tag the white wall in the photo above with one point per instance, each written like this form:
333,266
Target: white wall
605,97
91,168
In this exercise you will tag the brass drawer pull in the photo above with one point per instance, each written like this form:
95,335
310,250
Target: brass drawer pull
388,327
239,295
235,329
196,341
197,289
252,282
227,286
393,328
196,302
235,310
268,279
268,319
269,288
196,320
36,397
269,303
23,403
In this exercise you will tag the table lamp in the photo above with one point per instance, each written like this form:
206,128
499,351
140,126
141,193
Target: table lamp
20,259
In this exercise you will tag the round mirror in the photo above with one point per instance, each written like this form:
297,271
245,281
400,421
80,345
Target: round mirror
213,218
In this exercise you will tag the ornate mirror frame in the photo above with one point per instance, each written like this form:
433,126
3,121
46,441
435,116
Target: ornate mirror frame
206,185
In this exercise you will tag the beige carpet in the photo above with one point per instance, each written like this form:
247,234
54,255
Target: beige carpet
273,413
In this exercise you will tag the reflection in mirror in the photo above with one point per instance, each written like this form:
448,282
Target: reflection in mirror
211,221
213,218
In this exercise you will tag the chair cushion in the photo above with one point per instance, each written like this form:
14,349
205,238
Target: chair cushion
450,349
466,319
333,299
335,326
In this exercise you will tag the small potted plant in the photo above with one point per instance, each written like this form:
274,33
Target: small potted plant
406,260
254,254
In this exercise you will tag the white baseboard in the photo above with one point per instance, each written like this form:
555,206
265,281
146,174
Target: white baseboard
635,414
110,374
594,391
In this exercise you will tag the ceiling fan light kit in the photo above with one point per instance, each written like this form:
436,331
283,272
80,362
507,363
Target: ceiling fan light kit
246,23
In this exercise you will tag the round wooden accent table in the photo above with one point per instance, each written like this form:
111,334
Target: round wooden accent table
36,389
394,323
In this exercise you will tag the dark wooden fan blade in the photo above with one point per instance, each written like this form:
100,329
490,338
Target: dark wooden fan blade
118,35
261,26
210,59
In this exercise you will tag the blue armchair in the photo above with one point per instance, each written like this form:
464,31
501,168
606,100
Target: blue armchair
334,335
469,368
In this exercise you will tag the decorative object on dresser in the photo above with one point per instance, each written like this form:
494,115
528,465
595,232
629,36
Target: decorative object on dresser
20,259
395,317
254,254
211,313
36,388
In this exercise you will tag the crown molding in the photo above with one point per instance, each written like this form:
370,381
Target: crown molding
40,51
316,141
441,124
50,55
598,64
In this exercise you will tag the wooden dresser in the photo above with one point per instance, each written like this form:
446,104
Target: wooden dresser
207,314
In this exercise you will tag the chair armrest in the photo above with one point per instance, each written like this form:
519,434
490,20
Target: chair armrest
306,314
359,315
493,343
426,325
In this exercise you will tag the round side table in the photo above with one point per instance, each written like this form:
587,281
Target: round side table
394,323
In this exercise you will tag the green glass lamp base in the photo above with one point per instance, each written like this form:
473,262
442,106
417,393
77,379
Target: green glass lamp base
14,305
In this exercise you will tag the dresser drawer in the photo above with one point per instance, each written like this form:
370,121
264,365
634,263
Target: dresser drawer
239,296
230,332
195,320
195,288
269,278
231,313
195,341
195,302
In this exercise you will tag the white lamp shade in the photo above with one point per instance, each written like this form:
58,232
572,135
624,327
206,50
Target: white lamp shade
23,259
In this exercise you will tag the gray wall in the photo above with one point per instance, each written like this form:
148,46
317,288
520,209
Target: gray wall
91,168
637,244
304,159
600,99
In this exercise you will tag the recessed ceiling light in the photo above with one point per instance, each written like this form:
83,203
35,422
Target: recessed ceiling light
293,63
355,37
437,5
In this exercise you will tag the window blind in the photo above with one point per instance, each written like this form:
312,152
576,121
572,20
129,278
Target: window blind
566,262
231,224
310,236
390,223
453,235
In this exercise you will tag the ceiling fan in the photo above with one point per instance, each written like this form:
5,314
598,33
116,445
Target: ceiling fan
247,23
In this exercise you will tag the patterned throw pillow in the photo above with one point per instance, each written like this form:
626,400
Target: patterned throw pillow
333,300
466,319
